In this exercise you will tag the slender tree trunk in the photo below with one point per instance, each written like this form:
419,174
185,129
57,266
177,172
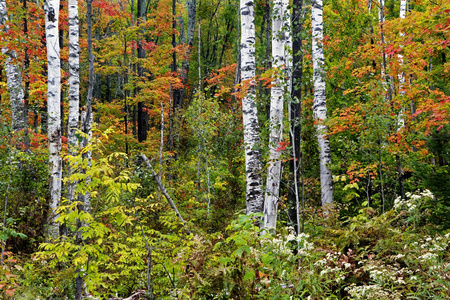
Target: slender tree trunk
86,116
142,109
74,107
385,78
320,108
237,73
254,195
176,92
280,57
199,55
26,77
51,8
295,112
380,170
401,115
182,39
13,77
61,95
86,127
268,60
192,13
401,75
74,86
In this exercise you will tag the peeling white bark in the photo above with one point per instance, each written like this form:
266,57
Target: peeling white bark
74,85
51,8
281,57
320,108
254,195
13,77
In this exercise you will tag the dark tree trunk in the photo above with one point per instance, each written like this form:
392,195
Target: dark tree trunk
61,45
177,102
268,58
295,109
142,115
26,79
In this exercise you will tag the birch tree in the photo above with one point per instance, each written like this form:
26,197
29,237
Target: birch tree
280,56
254,195
13,77
51,8
74,84
320,108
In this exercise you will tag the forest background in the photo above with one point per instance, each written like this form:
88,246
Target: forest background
129,166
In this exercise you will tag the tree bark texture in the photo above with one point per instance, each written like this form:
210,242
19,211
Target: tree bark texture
51,8
13,77
320,108
254,195
280,61
74,86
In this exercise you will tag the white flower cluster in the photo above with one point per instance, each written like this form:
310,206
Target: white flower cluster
330,265
331,257
384,274
436,244
276,245
281,245
368,292
412,200
428,258
305,247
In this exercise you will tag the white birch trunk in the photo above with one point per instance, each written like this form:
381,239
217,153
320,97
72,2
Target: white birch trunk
13,77
53,110
280,61
254,195
74,85
320,108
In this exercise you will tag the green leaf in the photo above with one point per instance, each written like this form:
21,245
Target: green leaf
249,276
243,218
225,260
241,250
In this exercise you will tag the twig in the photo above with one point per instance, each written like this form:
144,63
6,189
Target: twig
163,190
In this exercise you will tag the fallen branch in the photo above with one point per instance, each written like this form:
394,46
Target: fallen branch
164,191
